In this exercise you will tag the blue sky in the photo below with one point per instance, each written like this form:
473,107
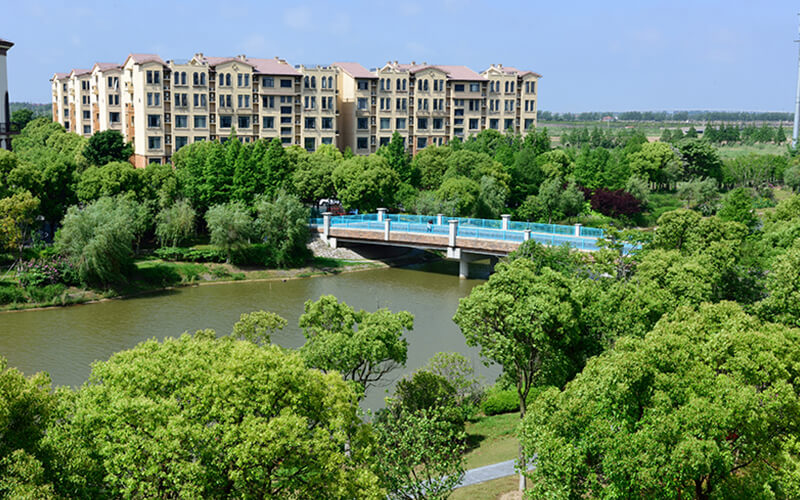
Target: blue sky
594,55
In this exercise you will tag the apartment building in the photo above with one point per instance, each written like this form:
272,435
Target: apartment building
163,105
5,110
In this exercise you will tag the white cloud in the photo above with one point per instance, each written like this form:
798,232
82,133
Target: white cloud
298,18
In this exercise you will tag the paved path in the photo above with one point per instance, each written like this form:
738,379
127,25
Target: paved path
489,472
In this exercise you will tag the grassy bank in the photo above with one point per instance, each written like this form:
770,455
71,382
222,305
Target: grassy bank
155,274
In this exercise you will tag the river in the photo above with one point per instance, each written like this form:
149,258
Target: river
64,342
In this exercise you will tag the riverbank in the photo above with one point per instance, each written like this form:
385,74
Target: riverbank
156,275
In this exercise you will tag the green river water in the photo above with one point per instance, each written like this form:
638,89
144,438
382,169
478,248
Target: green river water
65,341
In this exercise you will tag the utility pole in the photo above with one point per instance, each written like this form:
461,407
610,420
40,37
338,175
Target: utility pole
797,100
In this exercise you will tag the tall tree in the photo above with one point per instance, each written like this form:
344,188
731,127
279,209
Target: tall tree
107,146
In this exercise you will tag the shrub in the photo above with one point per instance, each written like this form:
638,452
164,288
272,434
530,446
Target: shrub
614,203
259,254
500,401
11,294
45,294
190,254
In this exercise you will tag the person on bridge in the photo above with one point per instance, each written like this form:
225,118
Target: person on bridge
430,226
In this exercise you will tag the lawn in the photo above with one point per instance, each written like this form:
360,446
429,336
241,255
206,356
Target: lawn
738,150
491,440
490,490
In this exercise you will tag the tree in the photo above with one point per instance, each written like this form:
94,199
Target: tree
491,198
699,408
365,183
399,160
656,162
549,198
257,327
701,159
362,346
782,302
98,239
230,226
525,321
203,417
791,176
109,179
431,163
175,224
456,369
701,195
738,207
21,117
571,200
277,169
419,454
106,147
313,178
17,213
459,196
283,225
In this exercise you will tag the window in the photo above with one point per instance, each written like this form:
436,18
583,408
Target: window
362,85
113,117
286,84
153,142
386,123
361,143
327,140
85,99
458,131
87,115
494,123
154,99
313,82
473,123
422,123
239,79
533,87
404,82
153,77
181,121
309,144
183,78
286,130
512,86
113,82
155,161
267,81
182,100
311,123
244,101
268,122
385,140
202,82
438,123
244,122
286,119
474,104
330,82
268,101
199,139
401,104
458,112
474,87
228,80
286,140
421,142
286,110
180,141
153,121
400,123
199,122
458,121
327,123
113,100
87,129
506,87
528,124
247,84
195,78
362,103
225,121
509,123
459,87
362,123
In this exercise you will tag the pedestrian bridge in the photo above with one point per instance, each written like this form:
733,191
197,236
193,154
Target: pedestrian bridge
462,239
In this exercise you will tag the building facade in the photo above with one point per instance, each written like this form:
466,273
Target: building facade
5,110
160,106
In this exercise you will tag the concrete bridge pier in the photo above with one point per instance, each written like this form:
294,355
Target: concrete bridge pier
463,258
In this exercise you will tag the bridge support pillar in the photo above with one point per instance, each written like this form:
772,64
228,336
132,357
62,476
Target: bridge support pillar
439,219
578,229
526,235
326,225
381,214
387,228
506,218
453,230
463,268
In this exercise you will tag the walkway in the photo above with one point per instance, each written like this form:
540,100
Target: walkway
490,472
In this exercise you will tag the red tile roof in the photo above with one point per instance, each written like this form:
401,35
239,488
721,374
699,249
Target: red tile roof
79,72
355,70
60,76
461,73
106,66
145,58
273,66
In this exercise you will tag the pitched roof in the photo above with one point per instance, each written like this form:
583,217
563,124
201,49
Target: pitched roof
273,66
106,66
79,72
355,70
510,70
145,58
460,73
59,76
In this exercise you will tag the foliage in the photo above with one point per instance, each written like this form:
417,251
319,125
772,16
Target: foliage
399,160
257,327
457,370
700,159
365,183
98,240
558,258
190,254
701,195
782,303
106,147
737,206
698,408
458,196
362,346
791,176
16,216
230,226
313,178
283,225
614,203
109,179
658,163
175,224
419,455
211,418
41,272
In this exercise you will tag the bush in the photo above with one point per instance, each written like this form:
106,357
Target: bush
47,271
259,254
505,400
11,294
45,294
613,203
208,254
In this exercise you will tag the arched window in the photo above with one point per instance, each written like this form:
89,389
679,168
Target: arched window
183,78
313,82
202,78
305,82
330,82
228,80
195,78
324,83
222,79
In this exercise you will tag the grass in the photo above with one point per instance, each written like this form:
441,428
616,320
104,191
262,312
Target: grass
658,203
490,490
491,440
739,150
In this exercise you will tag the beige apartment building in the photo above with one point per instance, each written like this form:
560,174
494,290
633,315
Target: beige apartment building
160,106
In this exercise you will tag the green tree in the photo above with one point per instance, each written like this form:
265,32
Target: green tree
277,169
106,147
701,195
491,198
738,207
200,417
431,163
549,198
365,183
525,321
456,369
458,196
21,117
230,226
17,214
700,159
313,179
419,455
99,238
791,177
571,200
656,162
175,224
699,408
283,225
399,160
109,179
257,327
159,184
362,346
782,302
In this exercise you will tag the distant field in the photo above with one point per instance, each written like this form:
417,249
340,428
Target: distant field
738,150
